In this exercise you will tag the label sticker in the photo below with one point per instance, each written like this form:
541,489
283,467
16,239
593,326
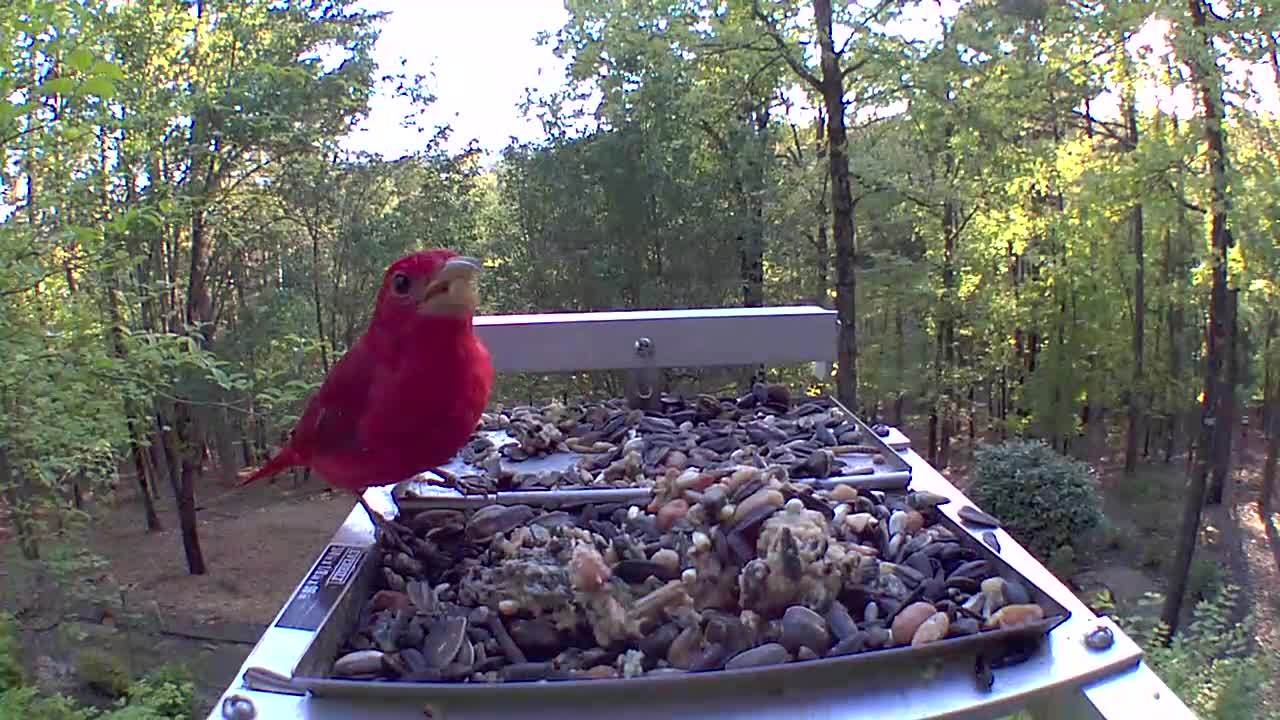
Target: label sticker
319,593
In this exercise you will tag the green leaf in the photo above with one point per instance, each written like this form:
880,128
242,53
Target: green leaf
57,86
80,59
107,69
99,86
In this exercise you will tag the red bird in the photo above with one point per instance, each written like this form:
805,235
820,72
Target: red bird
407,396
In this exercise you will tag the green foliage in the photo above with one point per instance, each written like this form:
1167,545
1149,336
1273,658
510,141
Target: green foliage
1204,579
1048,501
168,693
165,694
1212,664
28,704
103,672
11,674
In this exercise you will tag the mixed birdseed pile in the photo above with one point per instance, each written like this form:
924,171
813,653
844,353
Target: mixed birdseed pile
625,447
725,568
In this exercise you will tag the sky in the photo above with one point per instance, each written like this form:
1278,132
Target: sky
483,56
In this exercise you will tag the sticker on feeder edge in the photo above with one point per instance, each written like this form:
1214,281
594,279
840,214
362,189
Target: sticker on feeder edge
309,606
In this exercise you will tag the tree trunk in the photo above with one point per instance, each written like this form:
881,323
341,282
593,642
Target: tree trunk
225,444
200,184
1136,397
932,454
182,476
1270,418
1267,495
946,325
315,297
186,422
144,490
1227,410
823,251
842,225
1174,323
751,247
159,463
1204,75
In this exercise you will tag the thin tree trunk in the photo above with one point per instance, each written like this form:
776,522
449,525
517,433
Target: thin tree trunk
315,295
1174,323
1136,398
843,230
1266,497
751,248
144,491
201,182
1204,74
1270,415
1227,410
933,438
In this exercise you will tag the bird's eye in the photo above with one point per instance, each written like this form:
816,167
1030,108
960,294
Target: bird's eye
400,283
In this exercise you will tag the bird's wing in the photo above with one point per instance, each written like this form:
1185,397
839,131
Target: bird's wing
331,421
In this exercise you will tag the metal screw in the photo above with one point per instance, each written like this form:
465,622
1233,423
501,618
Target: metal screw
238,707
644,347
1100,638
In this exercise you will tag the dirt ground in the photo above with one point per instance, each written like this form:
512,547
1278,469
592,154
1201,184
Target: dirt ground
257,543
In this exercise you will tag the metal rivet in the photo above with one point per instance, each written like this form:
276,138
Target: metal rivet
644,347
1100,638
238,707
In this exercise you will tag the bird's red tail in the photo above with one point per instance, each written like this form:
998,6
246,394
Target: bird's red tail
285,459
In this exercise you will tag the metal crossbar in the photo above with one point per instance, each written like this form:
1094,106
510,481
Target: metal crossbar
1064,680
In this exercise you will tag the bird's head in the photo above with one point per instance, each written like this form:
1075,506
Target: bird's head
429,283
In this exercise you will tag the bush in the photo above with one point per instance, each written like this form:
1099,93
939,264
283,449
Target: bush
25,703
1044,499
103,672
11,675
1209,664
166,694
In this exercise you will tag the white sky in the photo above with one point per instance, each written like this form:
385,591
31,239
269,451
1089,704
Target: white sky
481,57
482,54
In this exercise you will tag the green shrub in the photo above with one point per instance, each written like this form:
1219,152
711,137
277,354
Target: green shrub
167,693
1045,499
1210,664
103,672
24,703
11,675
1203,578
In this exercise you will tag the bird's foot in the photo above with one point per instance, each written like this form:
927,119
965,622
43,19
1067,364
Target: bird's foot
387,526
447,479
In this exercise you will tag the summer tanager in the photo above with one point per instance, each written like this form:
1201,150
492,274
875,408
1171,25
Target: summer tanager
409,394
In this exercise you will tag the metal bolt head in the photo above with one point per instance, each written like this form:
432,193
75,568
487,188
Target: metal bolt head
238,707
1100,638
644,347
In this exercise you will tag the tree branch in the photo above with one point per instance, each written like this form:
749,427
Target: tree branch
781,46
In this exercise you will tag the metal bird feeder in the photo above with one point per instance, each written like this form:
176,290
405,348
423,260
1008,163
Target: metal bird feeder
1076,664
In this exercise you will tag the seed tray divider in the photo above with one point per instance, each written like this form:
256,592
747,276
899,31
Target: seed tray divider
416,494
1062,680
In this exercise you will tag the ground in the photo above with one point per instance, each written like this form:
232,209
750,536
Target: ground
258,541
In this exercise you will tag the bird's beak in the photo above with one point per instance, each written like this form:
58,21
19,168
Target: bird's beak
453,284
